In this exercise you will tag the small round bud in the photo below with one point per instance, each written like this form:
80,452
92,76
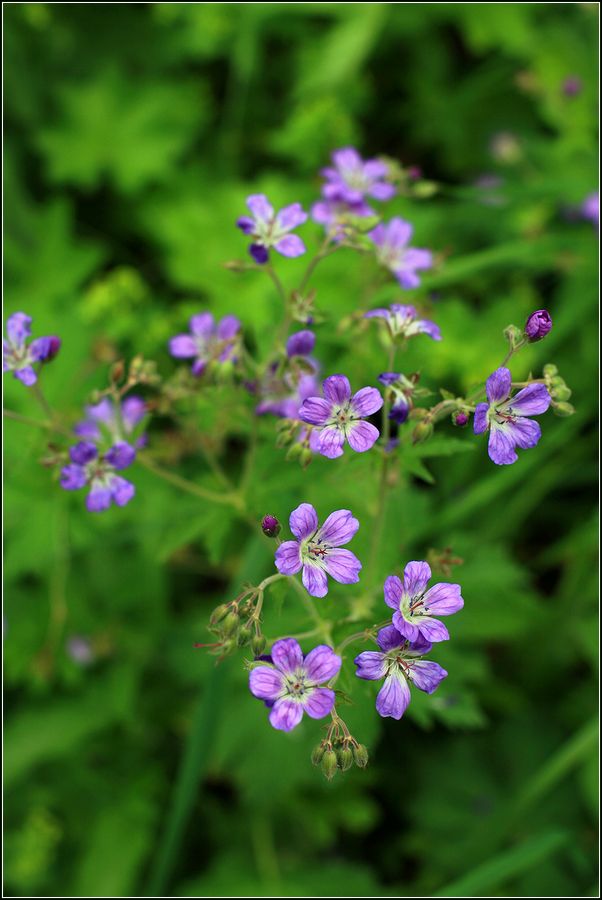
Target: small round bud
538,325
294,452
329,764
360,756
244,636
258,643
422,432
219,613
227,647
563,410
270,526
513,335
53,345
344,758
230,623
317,753
460,418
549,370
305,457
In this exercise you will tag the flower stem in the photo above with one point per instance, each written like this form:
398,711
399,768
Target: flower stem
226,499
324,251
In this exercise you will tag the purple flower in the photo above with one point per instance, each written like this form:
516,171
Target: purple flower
18,356
399,662
506,418
291,685
269,229
270,526
317,549
402,390
538,325
301,343
350,178
403,321
391,242
590,208
115,425
339,416
334,215
415,606
90,469
207,342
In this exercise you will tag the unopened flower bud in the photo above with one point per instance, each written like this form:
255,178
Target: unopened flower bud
227,647
219,613
317,753
513,335
244,636
270,526
230,623
294,452
53,345
329,764
258,643
538,325
306,457
422,432
563,410
460,418
344,758
360,756
549,370
559,389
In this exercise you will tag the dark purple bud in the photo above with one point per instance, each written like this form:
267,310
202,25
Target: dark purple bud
572,86
259,253
388,378
538,325
301,343
83,453
45,349
460,419
400,412
270,526
121,455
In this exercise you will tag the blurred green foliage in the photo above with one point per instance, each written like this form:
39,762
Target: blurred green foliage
133,134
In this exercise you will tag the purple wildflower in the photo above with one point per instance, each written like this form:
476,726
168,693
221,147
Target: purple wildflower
350,178
398,662
317,549
391,242
269,229
89,468
108,423
18,356
506,418
339,416
415,606
403,321
301,343
291,684
207,342
402,389
538,325
590,208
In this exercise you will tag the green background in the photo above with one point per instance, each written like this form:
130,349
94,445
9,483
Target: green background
133,135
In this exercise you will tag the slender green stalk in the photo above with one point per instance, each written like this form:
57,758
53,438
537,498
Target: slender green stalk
225,499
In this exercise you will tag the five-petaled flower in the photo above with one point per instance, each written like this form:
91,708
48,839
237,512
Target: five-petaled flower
269,229
338,415
398,662
506,417
207,342
391,242
317,549
90,468
415,607
402,321
350,178
291,684
115,424
18,356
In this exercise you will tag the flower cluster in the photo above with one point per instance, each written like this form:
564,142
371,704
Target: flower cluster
21,357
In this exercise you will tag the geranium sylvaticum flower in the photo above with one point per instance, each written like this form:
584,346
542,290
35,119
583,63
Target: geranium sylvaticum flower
507,417
98,471
402,321
400,663
415,607
338,415
317,549
391,242
350,178
292,683
19,356
115,424
207,342
272,230
283,389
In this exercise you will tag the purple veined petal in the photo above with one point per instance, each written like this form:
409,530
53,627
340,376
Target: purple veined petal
419,647
87,429
393,697
301,343
342,565
405,628
18,328
133,410
378,235
315,411
393,591
40,349
525,432
374,168
389,638
416,576
443,599
103,411
321,664
99,498
389,378
315,581
182,346
370,665
82,453
331,443
377,314
291,217
362,436
418,258
398,232
228,327
303,521
346,158
319,702
26,375
246,224
339,528
426,675
290,245
533,400
407,278
501,445
432,629
337,389
287,655
122,490
121,455
202,325
498,385
425,326
265,683
382,191
73,477
288,558
260,207
400,411
259,253
323,212
314,441
366,401
286,714
198,367
480,418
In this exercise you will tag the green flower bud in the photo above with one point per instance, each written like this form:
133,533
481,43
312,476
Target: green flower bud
230,623
219,613
329,764
562,392
258,643
305,457
513,335
344,758
317,753
294,452
549,370
563,410
244,636
360,756
422,432
227,647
